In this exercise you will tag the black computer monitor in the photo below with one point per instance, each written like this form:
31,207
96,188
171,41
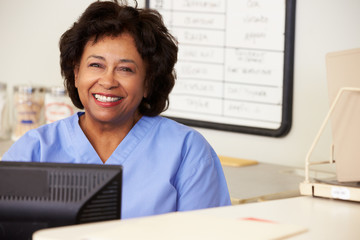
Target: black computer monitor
34,196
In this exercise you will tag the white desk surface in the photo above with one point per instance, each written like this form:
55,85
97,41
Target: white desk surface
262,181
323,219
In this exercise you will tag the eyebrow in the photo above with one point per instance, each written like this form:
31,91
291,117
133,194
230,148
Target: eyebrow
123,60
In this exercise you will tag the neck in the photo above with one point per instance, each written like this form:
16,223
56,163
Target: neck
105,137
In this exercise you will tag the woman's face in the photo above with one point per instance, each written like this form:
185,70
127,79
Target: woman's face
111,80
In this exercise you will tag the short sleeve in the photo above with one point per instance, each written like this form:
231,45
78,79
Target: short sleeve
200,179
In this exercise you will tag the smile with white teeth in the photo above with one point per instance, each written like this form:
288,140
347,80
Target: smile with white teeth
102,98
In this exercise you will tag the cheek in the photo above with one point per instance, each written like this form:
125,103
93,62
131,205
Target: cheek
135,87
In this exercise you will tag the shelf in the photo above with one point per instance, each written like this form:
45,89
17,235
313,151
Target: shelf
330,191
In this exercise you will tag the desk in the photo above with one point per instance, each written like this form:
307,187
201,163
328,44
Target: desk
323,219
262,181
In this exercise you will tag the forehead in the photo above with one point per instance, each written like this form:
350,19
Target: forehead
122,45
113,47
119,48
124,38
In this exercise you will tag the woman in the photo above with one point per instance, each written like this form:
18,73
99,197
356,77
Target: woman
118,64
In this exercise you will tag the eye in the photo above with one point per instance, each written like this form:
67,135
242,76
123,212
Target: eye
95,65
125,69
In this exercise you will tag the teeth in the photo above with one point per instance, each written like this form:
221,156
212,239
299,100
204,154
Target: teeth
102,98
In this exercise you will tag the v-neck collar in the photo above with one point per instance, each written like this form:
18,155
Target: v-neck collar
87,154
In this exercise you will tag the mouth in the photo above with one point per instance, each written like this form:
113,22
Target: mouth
106,99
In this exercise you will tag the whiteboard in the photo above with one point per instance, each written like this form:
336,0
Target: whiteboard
235,63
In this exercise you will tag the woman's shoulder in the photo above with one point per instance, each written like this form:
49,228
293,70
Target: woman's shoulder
60,125
175,130
166,124
40,138
50,130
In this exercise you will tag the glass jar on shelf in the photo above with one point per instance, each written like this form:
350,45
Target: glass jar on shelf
28,109
4,116
57,104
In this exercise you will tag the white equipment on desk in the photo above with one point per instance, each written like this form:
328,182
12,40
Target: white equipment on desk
343,75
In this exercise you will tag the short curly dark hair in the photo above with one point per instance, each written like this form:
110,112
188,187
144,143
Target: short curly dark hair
157,47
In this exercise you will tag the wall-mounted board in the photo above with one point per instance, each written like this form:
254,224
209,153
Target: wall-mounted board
235,63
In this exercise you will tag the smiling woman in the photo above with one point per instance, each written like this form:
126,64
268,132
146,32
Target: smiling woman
110,79
118,65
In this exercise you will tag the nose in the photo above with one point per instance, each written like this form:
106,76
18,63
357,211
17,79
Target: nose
108,81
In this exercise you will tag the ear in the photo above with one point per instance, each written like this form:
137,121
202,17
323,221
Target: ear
76,75
146,89
145,93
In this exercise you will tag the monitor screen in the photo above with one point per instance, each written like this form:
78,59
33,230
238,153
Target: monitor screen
34,196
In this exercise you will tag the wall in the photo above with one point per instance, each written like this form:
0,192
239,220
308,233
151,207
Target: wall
321,26
30,30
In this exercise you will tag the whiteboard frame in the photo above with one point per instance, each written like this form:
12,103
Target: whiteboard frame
287,96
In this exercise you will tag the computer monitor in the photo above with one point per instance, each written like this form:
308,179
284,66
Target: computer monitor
34,196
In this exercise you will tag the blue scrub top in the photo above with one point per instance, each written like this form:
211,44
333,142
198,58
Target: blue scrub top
167,166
